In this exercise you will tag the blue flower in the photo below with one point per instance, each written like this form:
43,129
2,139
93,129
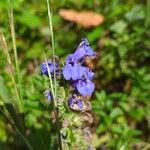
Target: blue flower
73,71
85,87
83,51
48,95
71,59
44,68
75,104
88,74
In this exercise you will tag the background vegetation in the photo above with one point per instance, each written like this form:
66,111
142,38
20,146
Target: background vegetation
121,103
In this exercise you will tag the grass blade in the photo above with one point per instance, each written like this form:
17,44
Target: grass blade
18,124
10,13
10,65
19,133
52,42
4,92
9,105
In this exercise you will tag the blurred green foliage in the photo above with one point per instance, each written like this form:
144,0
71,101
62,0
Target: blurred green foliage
121,104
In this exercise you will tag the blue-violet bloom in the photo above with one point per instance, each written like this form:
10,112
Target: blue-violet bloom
73,71
48,95
88,74
44,68
85,87
83,50
75,104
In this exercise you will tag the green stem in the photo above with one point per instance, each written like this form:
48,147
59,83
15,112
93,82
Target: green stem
58,130
10,65
52,42
55,83
10,12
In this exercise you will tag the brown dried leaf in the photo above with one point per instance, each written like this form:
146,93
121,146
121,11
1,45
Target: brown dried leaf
87,117
86,19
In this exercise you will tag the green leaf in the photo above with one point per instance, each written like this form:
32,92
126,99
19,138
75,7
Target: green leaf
8,104
3,132
18,132
35,51
122,50
17,118
29,19
101,128
137,113
134,132
24,139
4,92
119,27
95,34
40,139
116,112
117,129
125,106
146,78
136,13
71,136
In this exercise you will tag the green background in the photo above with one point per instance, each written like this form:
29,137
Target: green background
121,102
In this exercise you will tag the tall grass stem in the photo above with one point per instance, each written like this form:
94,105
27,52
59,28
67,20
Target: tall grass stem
19,133
52,42
13,36
55,83
10,65
51,82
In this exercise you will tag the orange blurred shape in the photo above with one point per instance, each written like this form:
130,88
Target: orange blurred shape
86,19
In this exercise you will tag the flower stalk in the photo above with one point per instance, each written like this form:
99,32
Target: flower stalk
54,89
78,76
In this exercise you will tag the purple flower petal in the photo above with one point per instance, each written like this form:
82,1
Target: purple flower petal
80,71
48,95
75,104
74,72
84,50
70,59
90,87
48,65
80,104
85,88
88,74
71,102
67,72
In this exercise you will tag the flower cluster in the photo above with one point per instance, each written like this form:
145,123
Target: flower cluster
79,75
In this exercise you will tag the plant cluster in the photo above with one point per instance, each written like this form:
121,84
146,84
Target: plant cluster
78,87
